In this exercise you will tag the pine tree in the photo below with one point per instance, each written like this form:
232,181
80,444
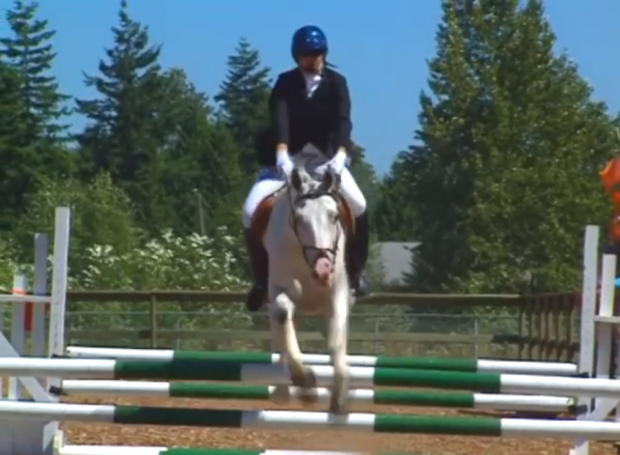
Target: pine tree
16,176
393,217
202,178
123,136
32,110
30,52
243,100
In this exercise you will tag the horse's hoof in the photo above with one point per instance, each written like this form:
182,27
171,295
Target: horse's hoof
304,378
339,400
281,395
339,407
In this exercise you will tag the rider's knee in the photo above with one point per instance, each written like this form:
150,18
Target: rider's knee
361,203
357,199
352,192
250,204
267,183
246,215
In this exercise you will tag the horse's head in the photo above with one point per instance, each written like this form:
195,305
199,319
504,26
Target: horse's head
315,220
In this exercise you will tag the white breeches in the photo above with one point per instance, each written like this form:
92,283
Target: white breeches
269,181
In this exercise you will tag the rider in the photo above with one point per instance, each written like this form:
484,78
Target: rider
309,106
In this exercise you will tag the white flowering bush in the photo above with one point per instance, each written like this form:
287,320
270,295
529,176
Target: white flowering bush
8,266
168,262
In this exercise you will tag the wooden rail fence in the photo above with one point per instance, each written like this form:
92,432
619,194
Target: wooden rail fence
547,323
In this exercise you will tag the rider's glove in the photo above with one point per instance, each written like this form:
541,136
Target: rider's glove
284,163
338,162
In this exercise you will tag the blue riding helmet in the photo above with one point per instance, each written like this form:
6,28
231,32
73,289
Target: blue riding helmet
309,39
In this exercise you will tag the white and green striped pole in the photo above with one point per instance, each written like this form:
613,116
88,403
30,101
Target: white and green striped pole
363,422
197,370
417,363
137,450
463,400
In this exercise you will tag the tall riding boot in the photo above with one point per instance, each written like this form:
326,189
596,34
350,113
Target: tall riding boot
259,263
357,256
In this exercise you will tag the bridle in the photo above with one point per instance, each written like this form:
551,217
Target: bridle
305,249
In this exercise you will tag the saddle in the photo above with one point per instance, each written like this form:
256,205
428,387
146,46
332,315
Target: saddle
261,217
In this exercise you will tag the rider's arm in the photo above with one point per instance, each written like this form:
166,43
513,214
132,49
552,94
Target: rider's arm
279,114
344,125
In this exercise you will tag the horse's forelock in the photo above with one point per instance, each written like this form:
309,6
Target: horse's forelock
316,200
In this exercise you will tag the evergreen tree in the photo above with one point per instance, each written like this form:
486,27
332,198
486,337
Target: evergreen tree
30,52
32,111
16,176
503,177
243,100
202,176
101,215
393,217
123,136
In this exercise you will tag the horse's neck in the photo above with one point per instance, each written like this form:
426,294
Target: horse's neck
279,223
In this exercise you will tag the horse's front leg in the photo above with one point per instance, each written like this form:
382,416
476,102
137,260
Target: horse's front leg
338,339
302,376
281,393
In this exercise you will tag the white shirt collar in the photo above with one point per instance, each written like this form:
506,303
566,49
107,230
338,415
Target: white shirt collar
312,83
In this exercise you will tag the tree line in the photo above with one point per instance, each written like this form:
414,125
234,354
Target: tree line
499,181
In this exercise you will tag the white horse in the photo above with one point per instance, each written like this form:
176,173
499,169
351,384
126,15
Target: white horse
305,239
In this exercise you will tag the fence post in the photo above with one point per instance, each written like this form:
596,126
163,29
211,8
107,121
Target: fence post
153,314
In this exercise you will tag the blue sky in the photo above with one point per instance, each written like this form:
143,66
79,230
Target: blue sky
381,46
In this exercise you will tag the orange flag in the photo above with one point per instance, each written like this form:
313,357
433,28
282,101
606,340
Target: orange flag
610,176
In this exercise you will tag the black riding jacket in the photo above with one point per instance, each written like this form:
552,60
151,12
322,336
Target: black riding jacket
324,119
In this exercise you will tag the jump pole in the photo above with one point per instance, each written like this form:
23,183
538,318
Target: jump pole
464,400
62,449
362,422
137,450
275,375
266,358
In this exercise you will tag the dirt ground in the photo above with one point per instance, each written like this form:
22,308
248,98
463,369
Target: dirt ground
368,443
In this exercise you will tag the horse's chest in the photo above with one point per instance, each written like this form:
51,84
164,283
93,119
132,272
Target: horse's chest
309,297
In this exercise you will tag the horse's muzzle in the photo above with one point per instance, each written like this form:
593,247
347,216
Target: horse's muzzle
323,271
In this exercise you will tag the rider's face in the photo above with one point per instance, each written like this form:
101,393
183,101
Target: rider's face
311,62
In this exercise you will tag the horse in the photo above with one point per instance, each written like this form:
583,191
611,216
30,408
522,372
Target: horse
305,236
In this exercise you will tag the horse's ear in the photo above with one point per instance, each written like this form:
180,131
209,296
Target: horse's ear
330,182
296,180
